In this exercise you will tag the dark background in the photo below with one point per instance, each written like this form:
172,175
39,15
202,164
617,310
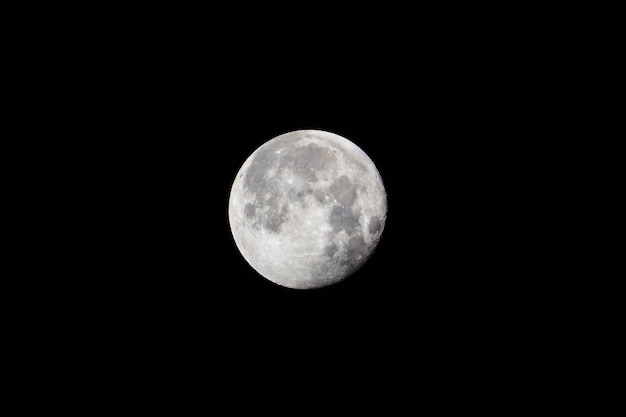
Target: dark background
168,115
430,299
138,121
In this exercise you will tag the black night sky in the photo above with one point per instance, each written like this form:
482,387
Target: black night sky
175,121
133,121
427,290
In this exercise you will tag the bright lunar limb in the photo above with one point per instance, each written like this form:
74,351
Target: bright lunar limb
307,209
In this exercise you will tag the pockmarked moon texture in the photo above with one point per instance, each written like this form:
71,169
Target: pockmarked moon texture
307,209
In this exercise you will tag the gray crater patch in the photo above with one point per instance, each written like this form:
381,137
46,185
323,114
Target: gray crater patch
275,218
342,218
374,225
298,195
250,210
307,160
355,250
331,250
269,209
320,195
344,190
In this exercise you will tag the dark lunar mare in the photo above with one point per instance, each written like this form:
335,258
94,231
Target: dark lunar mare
343,218
374,225
344,190
307,160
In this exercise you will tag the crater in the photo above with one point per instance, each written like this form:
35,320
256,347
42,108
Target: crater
342,218
344,190
275,218
320,195
296,194
355,250
269,208
374,225
250,210
307,160
331,250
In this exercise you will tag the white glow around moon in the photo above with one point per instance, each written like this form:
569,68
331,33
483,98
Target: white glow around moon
307,209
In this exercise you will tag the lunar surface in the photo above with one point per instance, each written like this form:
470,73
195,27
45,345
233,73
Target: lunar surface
307,209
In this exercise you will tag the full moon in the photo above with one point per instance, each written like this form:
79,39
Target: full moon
307,209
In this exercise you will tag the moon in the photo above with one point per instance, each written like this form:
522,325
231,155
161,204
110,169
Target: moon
307,209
